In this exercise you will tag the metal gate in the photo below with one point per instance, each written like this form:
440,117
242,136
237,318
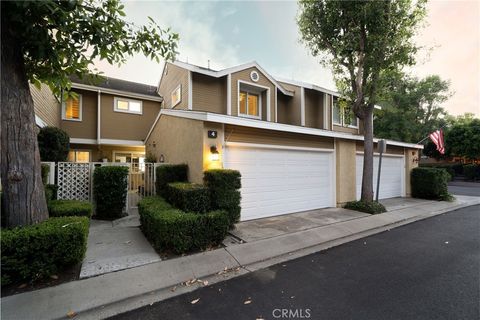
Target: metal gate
141,182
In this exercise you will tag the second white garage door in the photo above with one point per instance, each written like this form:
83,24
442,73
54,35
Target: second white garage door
392,179
278,181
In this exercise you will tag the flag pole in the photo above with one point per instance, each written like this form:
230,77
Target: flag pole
428,135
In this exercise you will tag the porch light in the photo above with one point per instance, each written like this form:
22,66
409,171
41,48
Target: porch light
214,155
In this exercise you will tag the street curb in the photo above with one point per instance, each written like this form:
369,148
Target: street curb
152,283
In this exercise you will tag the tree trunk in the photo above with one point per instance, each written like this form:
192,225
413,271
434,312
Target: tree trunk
367,179
23,192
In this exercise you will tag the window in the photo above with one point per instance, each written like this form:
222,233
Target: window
72,108
249,104
79,156
136,159
127,105
177,95
339,116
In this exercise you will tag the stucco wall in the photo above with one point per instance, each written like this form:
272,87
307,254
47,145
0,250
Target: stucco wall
411,161
47,107
345,152
180,140
209,142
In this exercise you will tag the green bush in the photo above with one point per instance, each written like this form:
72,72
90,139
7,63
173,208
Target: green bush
54,144
45,172
37,251
51,192
188,197
65,208
170,229
373,207
472,172
110,191
453,169
224,185
168,173
430,183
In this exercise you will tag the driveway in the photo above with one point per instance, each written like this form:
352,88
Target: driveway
464,188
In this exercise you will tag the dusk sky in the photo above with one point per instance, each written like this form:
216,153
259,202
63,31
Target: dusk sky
232,33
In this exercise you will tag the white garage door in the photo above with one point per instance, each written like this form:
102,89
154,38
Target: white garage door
279,181
392,179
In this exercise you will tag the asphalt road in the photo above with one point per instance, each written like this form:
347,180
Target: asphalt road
464,188
425,270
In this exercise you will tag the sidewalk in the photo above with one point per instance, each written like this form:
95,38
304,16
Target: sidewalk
112,293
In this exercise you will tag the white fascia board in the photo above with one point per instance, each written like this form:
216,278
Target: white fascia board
122,142
232,120
39,122
87,87
308,86
83,141
224,72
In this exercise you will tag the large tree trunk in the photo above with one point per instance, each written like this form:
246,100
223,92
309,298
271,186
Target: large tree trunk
23,192
367,179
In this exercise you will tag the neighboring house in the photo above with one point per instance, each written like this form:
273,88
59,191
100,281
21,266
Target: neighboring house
295,149
107,121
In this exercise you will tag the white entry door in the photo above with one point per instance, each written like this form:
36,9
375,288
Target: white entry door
392,177
280,180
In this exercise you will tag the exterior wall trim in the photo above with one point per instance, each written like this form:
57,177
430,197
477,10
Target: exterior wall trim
229,94
122,142
302,106
190,91
83,141
274,146
40,122
391,155
115,92
211,117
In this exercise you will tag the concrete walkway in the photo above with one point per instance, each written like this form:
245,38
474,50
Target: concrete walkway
117,292
116,245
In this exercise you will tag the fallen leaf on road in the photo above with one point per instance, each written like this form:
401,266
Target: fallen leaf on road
173,289
195,301
54,277
71,314
23,285
247,302
260,319
292,297
205,283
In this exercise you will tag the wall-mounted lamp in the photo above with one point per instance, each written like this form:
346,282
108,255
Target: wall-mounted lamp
214,155
161,159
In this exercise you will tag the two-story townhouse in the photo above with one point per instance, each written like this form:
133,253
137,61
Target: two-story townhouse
295,149
106,121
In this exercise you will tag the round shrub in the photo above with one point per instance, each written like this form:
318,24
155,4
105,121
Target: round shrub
430,183
66,208
110,191
54,144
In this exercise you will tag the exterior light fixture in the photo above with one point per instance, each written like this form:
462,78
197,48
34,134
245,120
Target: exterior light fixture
214,155
161,159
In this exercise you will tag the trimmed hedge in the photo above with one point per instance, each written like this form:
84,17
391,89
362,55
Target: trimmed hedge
170,229
38,251
168,173
188,197
110,191
224,185
66,208
373,207
430,183
51,192
53,143
472,172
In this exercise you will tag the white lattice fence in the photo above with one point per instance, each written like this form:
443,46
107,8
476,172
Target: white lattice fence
74,181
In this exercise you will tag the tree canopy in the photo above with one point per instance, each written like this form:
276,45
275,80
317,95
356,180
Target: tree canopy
412,108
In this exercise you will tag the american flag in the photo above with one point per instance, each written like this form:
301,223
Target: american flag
437,138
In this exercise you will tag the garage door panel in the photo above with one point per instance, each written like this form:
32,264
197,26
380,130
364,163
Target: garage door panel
279,181
392,176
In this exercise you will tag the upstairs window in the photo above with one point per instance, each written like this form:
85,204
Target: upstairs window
249,104
128,105
336,114
339,116
72,108
176,95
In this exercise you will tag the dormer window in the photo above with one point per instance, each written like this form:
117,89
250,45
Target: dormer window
339,116
249,104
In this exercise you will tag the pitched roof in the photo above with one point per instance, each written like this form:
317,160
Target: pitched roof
119,85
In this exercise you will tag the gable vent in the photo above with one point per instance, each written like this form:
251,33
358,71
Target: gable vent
254,76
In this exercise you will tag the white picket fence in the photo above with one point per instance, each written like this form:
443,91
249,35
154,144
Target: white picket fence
75,180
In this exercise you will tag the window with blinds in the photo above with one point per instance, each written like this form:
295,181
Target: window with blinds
72,108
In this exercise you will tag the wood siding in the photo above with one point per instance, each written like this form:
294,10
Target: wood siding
87,128
314,109
288,108
172,77
390,149
46,105
261,136
126,126
209,93
244,75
